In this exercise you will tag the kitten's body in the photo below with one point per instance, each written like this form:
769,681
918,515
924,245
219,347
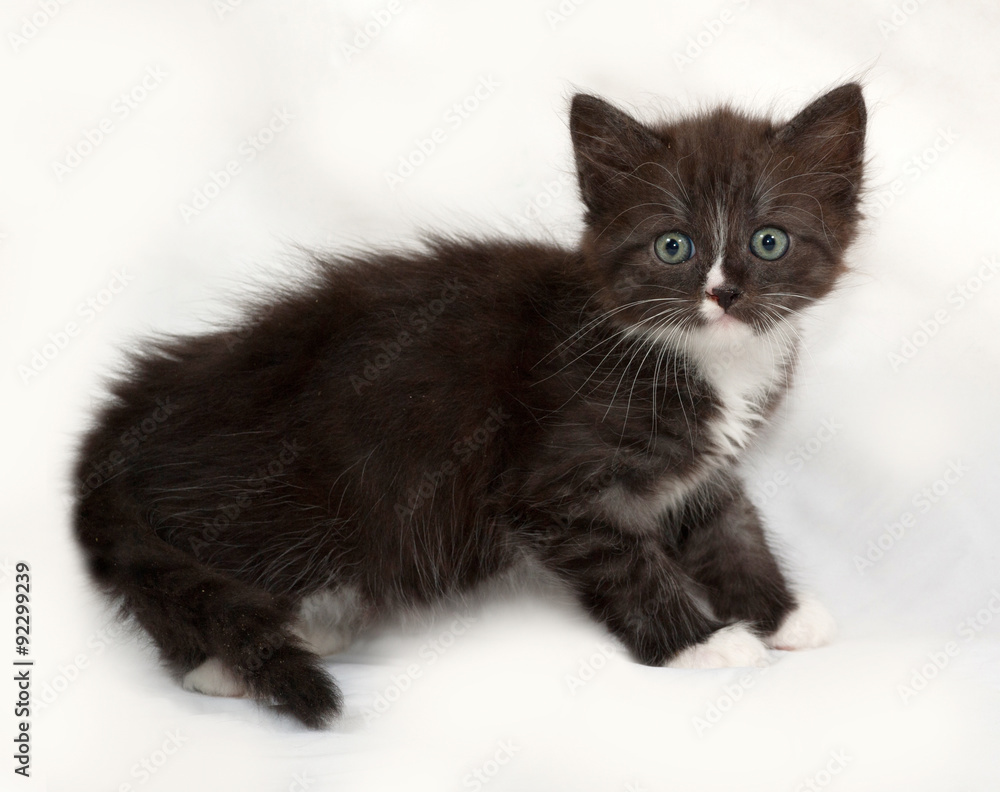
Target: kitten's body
413,424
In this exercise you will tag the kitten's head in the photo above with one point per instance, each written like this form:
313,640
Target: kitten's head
721,222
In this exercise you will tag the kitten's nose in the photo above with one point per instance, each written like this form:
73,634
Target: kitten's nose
725,296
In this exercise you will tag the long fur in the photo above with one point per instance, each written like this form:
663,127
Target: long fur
409,424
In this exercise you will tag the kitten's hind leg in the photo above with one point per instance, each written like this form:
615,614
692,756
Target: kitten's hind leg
195,613
213,678
269,664
328,619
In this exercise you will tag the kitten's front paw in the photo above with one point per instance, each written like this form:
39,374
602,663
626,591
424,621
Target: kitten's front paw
731,647
809,626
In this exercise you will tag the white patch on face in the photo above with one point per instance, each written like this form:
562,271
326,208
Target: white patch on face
734,646
708,307
715,277
214,678
809,626
328,620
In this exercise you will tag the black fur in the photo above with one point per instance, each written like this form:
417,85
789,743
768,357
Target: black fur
411,424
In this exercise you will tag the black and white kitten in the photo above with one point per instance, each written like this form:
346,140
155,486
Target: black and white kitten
410,425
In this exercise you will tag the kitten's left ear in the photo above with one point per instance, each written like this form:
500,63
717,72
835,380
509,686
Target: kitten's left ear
609,145
829,134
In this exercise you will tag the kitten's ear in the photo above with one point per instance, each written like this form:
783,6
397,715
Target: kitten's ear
829,134
608,145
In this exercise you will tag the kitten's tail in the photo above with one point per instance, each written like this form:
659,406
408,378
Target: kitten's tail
194,613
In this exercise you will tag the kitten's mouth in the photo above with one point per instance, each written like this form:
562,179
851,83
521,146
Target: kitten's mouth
715,310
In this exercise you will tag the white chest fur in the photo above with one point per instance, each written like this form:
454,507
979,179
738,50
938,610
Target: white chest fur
744,371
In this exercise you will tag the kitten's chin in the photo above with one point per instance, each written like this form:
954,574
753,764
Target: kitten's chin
724,329
715,316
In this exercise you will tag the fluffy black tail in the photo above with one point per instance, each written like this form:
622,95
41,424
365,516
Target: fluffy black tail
194,613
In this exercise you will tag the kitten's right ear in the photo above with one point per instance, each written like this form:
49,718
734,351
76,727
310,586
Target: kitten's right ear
608,145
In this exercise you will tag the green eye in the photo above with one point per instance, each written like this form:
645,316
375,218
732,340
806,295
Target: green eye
673,247
769,243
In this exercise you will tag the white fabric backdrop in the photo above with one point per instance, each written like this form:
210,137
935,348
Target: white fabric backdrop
158,159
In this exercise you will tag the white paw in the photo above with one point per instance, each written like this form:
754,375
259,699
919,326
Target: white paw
808,626
731,647
213,678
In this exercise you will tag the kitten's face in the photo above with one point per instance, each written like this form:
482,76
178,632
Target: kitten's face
722,222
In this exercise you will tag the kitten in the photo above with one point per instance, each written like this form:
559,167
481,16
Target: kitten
411,424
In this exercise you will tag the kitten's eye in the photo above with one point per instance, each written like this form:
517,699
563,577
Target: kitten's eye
673,247
769,243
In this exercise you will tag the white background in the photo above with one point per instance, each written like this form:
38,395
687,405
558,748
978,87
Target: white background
502,689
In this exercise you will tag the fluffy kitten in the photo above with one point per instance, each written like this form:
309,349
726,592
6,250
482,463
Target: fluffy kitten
409,425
